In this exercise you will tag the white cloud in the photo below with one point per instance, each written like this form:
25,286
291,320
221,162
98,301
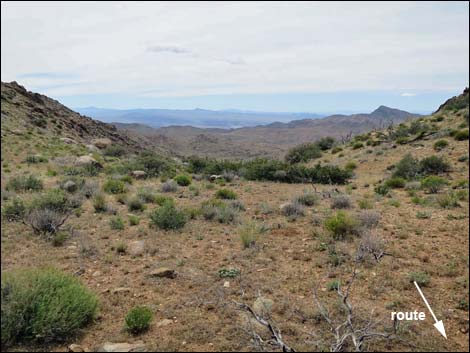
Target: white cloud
183,49
408,94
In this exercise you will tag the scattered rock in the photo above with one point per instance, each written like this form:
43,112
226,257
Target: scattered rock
263,306
87,160
163,272
77,348
70,186
68,141
139,174
101,142
121,290
92,148
164,323
136,248
226,284
138,346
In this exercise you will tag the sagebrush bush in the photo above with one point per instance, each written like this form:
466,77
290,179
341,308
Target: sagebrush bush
54,199
226,194
351,165
357,145
146,194
168,217
382,189
138,319
369,219
341,202
45,221
24,183
182,180
293,210
33,159
133,220
113,186
43,306
448,200
90,188
421,278
341,225
433,184
169,186
365,204
217,210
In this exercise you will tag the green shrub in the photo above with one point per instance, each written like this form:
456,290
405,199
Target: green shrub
54,199
303,153
351,165
421,278
357,145
169,186
226,194
395,183
217,210
407,168
336,149
168,217
138,319
182,180
43,306
116,223
433,184
402,140
161,199
341,224
113,186
382,189
333,285
433,165
449,200
24,183
152,164
14,210
365,204
146,194
229,273
133,220
440,145
325,143
461,135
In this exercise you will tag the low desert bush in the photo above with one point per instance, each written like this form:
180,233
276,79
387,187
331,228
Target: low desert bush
43,306
341,225
135,204
395,182
248,234
461,135
307,199
439,145
293,210
14,210
182,180
341,202
116,223
99,203
226,194
421,278
24,183
433,184
369,219
113,186
168,217
138,319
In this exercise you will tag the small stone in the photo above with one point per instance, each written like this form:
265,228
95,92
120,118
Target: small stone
138,346
76,348
102,142
139,174
163,272
164,323
121,290
70,186
226,284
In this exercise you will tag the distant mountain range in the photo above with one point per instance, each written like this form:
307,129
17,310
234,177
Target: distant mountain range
196,117
268,140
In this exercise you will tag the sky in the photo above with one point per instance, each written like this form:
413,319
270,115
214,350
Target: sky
297,57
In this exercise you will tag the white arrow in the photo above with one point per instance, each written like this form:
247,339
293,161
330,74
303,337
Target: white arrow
439,324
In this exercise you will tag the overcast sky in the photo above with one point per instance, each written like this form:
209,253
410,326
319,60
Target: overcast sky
320,56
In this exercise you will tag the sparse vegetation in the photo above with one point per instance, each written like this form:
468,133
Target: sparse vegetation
138,319
168,217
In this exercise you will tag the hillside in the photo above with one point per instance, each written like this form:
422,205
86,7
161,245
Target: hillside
174,260
271,140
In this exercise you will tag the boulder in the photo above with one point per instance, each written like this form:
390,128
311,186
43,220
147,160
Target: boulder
87,160
163,272
138,346
139,174
77,348
136,248
101,142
